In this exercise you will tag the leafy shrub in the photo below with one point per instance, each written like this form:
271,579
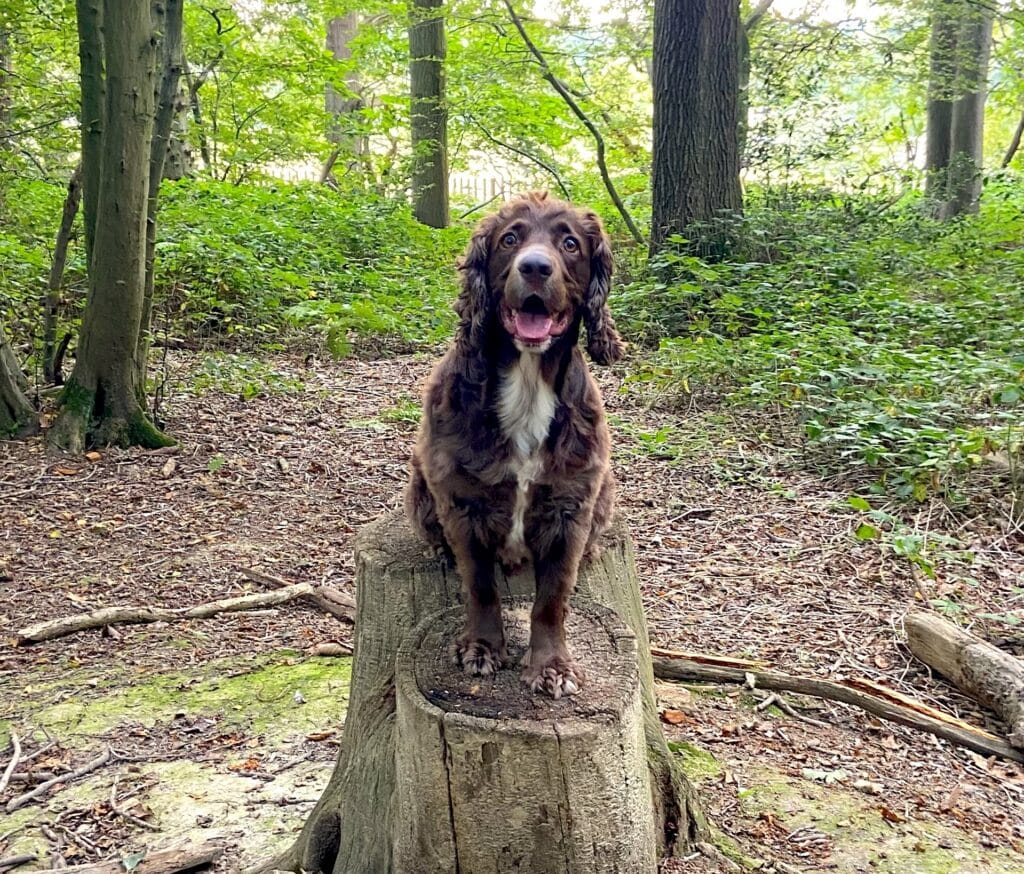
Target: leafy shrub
247,263
894,341
256,266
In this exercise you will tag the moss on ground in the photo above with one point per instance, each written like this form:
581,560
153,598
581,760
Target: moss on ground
282,695
698,764
863,839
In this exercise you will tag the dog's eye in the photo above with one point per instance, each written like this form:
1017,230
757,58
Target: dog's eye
571,244
509,239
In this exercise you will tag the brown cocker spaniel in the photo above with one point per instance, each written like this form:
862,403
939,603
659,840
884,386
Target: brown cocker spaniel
512,460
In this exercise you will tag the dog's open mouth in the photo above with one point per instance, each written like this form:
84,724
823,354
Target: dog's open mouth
532,324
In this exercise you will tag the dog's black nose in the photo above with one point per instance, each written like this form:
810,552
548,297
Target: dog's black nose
536,266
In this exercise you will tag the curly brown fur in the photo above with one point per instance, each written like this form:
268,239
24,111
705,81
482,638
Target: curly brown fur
512,459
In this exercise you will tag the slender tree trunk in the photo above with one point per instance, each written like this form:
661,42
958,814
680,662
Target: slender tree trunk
100,403
90,53
166,105
941,86
750,24
6,72
60,256
193,85
967,125
1011,149
17,415
350,143
429,117
695,164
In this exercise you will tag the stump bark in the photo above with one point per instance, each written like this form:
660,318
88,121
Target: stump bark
425,750
491,778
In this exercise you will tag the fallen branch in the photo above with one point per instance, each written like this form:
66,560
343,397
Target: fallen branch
9,770
993,678
338,604
882,702
135,615
19,802
15,861
160,862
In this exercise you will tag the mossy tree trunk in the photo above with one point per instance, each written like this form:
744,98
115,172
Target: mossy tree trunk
353,826
119,46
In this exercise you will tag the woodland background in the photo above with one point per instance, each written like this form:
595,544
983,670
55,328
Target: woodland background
818,424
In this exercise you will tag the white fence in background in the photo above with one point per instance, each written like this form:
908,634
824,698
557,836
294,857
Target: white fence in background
471,188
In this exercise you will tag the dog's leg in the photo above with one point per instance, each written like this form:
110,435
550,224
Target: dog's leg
550,666
481,648
421,509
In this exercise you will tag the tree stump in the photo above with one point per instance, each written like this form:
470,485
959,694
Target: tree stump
493,778
398,732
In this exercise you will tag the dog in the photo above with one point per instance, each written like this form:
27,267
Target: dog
511,462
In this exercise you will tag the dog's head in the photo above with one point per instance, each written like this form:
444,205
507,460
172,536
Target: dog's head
539,266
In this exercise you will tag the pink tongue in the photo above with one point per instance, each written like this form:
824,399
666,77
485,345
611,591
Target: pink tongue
532,326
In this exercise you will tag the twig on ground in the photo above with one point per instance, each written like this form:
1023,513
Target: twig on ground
882,702
19,802
124,814
9,770
787,708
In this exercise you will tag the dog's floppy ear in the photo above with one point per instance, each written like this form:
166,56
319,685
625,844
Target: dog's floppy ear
474,301
603,341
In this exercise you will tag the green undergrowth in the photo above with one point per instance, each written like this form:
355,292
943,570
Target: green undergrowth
252,267
886,345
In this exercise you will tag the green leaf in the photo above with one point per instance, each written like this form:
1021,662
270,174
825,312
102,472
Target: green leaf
130,863
867,532
858,503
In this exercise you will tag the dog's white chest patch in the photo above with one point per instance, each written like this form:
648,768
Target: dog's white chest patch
526,406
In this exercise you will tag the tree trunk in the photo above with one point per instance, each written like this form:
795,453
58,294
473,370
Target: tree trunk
750,24
350,143
429,115
359,817
967,125
941,77
166,105
17,415
100,404
1011,149
53,283
90,54
193,85
695,163
567,780
6,103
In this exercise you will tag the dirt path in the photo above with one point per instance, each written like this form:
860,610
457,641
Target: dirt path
740,552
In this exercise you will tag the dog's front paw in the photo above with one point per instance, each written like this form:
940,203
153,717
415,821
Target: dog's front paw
479,657
555,676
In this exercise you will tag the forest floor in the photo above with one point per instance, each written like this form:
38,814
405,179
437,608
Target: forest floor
228,727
